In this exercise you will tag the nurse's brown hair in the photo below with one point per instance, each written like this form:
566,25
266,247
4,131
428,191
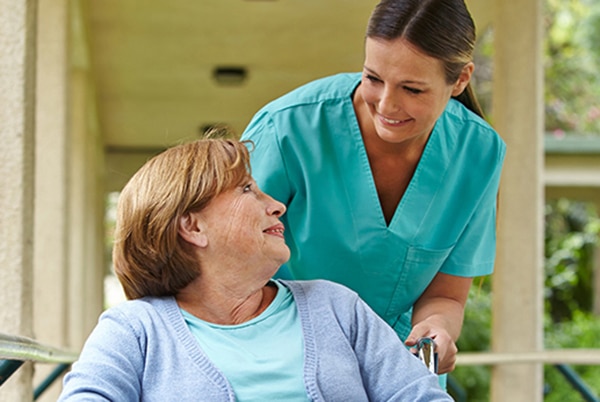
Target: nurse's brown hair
442,29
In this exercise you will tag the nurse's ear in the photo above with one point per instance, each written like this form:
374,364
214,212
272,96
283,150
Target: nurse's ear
192,229
463,79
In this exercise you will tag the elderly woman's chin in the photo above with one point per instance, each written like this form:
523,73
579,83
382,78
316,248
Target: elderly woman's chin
285,254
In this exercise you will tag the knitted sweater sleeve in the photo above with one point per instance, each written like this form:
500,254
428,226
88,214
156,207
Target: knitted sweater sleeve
109,367
389,371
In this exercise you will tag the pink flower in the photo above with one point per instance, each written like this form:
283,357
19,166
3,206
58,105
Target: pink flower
593,113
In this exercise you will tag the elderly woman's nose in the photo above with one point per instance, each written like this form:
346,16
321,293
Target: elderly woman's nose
275,207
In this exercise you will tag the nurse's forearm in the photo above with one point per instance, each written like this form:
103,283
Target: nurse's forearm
439,312
443,303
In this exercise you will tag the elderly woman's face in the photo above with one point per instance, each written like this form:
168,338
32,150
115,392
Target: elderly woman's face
243,226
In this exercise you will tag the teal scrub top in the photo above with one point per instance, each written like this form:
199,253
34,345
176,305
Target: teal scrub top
309,154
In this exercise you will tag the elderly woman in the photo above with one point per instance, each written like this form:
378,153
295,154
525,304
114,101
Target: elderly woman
196,246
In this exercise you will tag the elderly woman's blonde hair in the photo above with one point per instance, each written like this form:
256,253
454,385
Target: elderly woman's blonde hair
149,256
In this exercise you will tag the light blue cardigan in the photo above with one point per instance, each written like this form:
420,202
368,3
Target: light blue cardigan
143,350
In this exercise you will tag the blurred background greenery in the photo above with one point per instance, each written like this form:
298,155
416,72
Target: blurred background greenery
571,235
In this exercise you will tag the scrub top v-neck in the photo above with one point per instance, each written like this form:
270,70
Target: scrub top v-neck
309,154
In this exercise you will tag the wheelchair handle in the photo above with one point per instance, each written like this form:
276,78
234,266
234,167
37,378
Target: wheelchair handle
427,354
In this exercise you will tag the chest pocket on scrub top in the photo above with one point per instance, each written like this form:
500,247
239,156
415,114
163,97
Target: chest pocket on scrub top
416,273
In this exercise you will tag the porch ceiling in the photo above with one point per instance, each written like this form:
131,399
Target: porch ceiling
152,61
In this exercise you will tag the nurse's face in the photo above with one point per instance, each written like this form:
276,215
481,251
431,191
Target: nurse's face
403,89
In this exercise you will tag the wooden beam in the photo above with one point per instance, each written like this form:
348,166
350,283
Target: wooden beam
558,356
517,304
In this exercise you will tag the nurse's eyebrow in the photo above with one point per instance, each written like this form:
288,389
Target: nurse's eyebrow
405,82
370,71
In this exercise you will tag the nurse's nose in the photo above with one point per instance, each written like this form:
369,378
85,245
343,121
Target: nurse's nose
389,102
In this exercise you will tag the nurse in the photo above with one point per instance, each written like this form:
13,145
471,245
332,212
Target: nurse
390,176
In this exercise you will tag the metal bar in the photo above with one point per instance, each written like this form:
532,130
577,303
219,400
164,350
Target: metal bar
554,356
577,383
21,348
56,373
456,389
7,368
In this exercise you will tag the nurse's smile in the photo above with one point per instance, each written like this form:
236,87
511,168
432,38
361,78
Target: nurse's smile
394,123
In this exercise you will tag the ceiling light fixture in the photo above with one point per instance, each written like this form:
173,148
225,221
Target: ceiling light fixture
230,75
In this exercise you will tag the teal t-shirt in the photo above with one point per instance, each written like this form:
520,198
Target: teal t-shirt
263,358
309,154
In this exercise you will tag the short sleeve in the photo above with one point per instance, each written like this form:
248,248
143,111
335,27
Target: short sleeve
267,164
475,251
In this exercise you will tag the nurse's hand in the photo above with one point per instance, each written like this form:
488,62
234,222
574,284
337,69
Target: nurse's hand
438,314
444,345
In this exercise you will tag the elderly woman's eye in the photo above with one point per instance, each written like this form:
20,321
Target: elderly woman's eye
248,187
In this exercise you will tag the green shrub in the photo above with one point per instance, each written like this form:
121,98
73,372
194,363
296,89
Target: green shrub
582,332
475,337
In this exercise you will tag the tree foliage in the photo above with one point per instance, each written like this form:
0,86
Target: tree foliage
571,237
571,65
572,231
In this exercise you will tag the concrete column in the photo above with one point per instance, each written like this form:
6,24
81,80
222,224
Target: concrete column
86,201
86,212
51,240
77,215
17,99
518,278
94,180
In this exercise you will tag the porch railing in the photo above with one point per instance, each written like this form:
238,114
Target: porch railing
16,350
561,359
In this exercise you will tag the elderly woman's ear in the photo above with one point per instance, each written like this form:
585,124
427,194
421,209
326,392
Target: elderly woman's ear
191,229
